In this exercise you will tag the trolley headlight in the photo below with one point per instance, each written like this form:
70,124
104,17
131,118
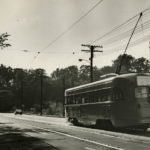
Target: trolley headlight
141,92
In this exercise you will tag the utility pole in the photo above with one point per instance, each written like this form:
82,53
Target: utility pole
22,90
149,50
149,57
64,87
92,50
41,99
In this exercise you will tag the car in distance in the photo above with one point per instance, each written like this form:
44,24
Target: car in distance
18,111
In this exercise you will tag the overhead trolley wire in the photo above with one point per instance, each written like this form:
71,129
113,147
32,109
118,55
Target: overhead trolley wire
120,26
136,42
113,39
72,25
132,44
123,35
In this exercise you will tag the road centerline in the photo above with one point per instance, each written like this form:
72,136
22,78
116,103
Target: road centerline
78,138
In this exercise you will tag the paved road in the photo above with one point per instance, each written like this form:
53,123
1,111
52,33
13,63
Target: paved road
59,134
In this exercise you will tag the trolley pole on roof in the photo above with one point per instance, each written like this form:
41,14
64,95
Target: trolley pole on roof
118,69
91,50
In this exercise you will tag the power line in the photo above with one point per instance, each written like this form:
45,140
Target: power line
134,43
121,47
125,34
118,27
113,42
70,27
37,52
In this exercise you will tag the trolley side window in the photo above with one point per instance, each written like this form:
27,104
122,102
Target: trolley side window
78,99
93,96
90,97
69,99
117,94
99,96
105,95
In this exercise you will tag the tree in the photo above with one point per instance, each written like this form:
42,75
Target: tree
107,69
141,65
127,63
6,76
69,74
84,74
96,73
3,39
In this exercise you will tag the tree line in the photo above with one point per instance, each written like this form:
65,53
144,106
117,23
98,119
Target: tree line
26,84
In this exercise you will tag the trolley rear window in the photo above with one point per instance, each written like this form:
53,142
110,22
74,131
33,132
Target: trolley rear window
143,80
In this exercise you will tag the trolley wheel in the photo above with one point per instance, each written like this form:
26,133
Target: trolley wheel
74,121
104,124
145,128
100,124
69,119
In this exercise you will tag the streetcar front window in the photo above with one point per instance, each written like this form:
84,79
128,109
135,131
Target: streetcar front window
141,92
143,80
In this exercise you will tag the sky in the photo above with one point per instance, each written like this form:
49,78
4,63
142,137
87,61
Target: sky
35,25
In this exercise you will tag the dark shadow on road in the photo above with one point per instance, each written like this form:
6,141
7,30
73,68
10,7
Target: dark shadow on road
12,138
138,132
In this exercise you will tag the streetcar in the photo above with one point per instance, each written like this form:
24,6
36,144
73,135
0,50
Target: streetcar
120,101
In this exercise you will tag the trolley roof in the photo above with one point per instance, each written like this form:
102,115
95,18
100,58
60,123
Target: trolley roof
106,81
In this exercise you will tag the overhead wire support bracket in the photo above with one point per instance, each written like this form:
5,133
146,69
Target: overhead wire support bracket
97,51
89,45
91,50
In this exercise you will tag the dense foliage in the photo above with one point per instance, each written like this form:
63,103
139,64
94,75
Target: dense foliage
3,39
26,84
